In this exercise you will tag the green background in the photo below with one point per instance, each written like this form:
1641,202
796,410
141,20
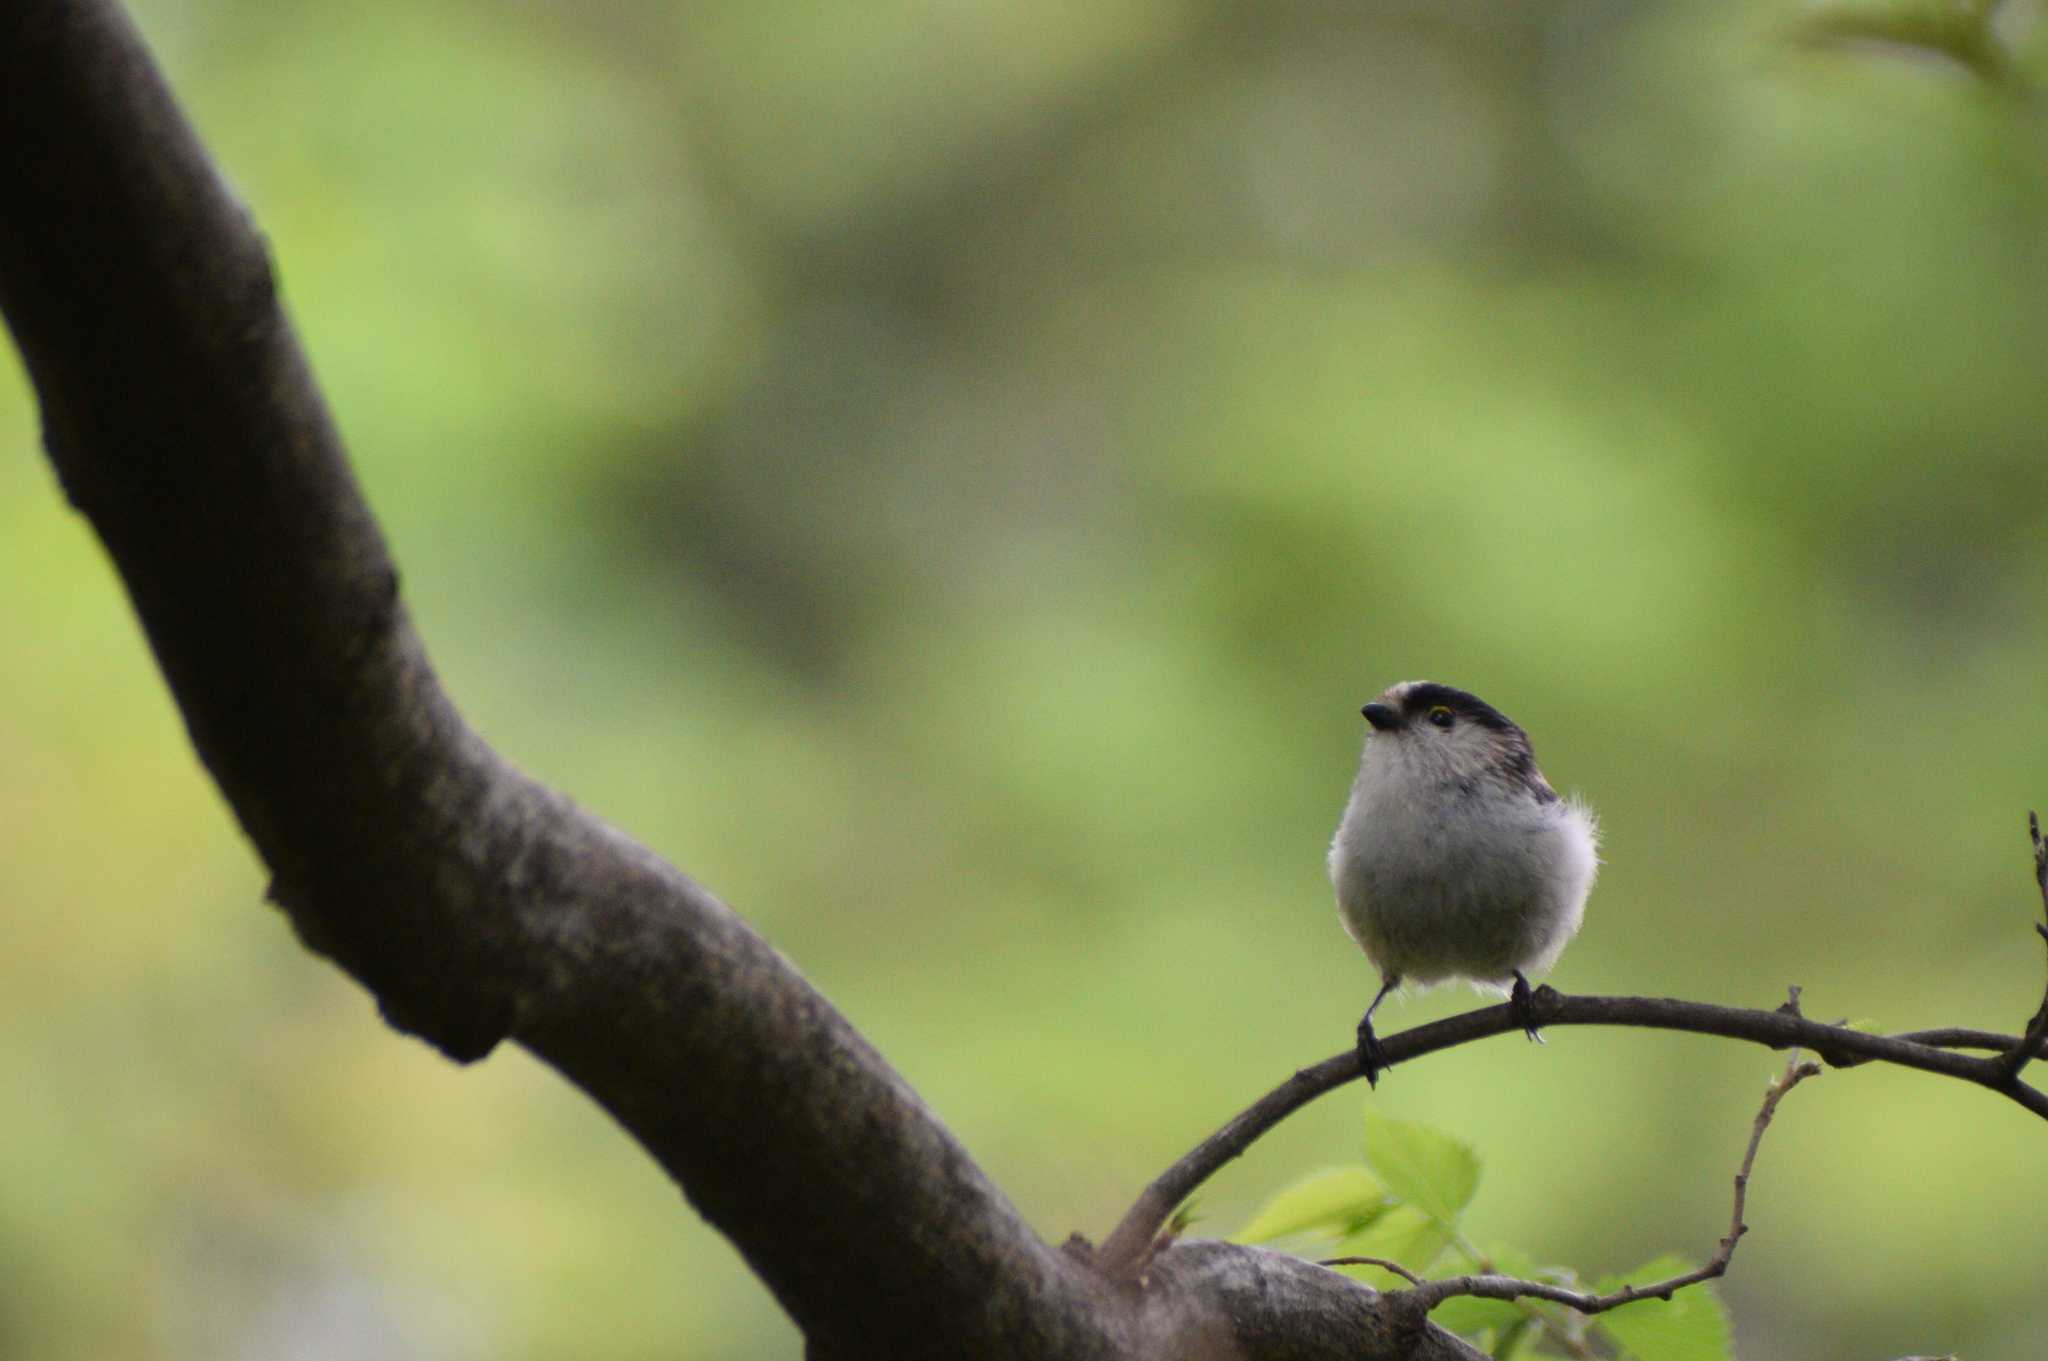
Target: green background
947,475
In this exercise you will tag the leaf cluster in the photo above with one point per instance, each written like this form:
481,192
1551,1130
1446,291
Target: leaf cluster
1406,1204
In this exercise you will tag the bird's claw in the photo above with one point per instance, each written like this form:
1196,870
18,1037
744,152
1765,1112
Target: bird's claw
1523,1003
1372,1056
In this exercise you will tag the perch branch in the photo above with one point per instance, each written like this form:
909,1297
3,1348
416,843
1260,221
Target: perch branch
1781,1028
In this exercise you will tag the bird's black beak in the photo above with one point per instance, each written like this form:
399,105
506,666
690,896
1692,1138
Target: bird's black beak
1382,718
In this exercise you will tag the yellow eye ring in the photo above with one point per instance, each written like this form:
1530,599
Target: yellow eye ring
1440,715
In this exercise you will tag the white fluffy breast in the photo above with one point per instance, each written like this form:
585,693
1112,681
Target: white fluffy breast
1439,876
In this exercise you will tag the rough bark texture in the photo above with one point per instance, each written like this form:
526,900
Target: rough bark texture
1219,1300
475,904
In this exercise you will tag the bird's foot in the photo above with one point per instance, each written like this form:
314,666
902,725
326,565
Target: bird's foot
1523,1003
1372,1056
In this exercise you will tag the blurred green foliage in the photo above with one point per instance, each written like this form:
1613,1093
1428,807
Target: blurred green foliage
947,476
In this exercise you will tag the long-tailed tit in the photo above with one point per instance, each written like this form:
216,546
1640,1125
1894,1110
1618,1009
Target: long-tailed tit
1455,858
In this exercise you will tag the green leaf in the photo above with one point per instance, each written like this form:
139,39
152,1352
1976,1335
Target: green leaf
1691,1326
1403,1234
1333,1202
1431,1171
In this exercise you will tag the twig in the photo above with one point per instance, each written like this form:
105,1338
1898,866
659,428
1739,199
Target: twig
1403,1272
2029,1045
1427,1297
1949,1037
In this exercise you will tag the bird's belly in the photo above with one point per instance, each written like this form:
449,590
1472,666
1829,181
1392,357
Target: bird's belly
1433,906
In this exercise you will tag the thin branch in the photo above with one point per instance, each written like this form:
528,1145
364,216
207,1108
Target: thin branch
1781,1028
1951,1037
1428,1296
1383,1263
2016,1058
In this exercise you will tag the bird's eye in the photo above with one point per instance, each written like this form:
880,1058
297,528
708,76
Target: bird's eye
1440,716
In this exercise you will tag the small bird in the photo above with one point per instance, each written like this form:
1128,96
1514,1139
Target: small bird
1455,858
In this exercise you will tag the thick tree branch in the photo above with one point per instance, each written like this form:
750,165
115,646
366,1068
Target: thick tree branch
1930,1051
1272,1305
474,903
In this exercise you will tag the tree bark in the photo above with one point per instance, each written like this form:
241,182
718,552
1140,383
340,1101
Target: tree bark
474,903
